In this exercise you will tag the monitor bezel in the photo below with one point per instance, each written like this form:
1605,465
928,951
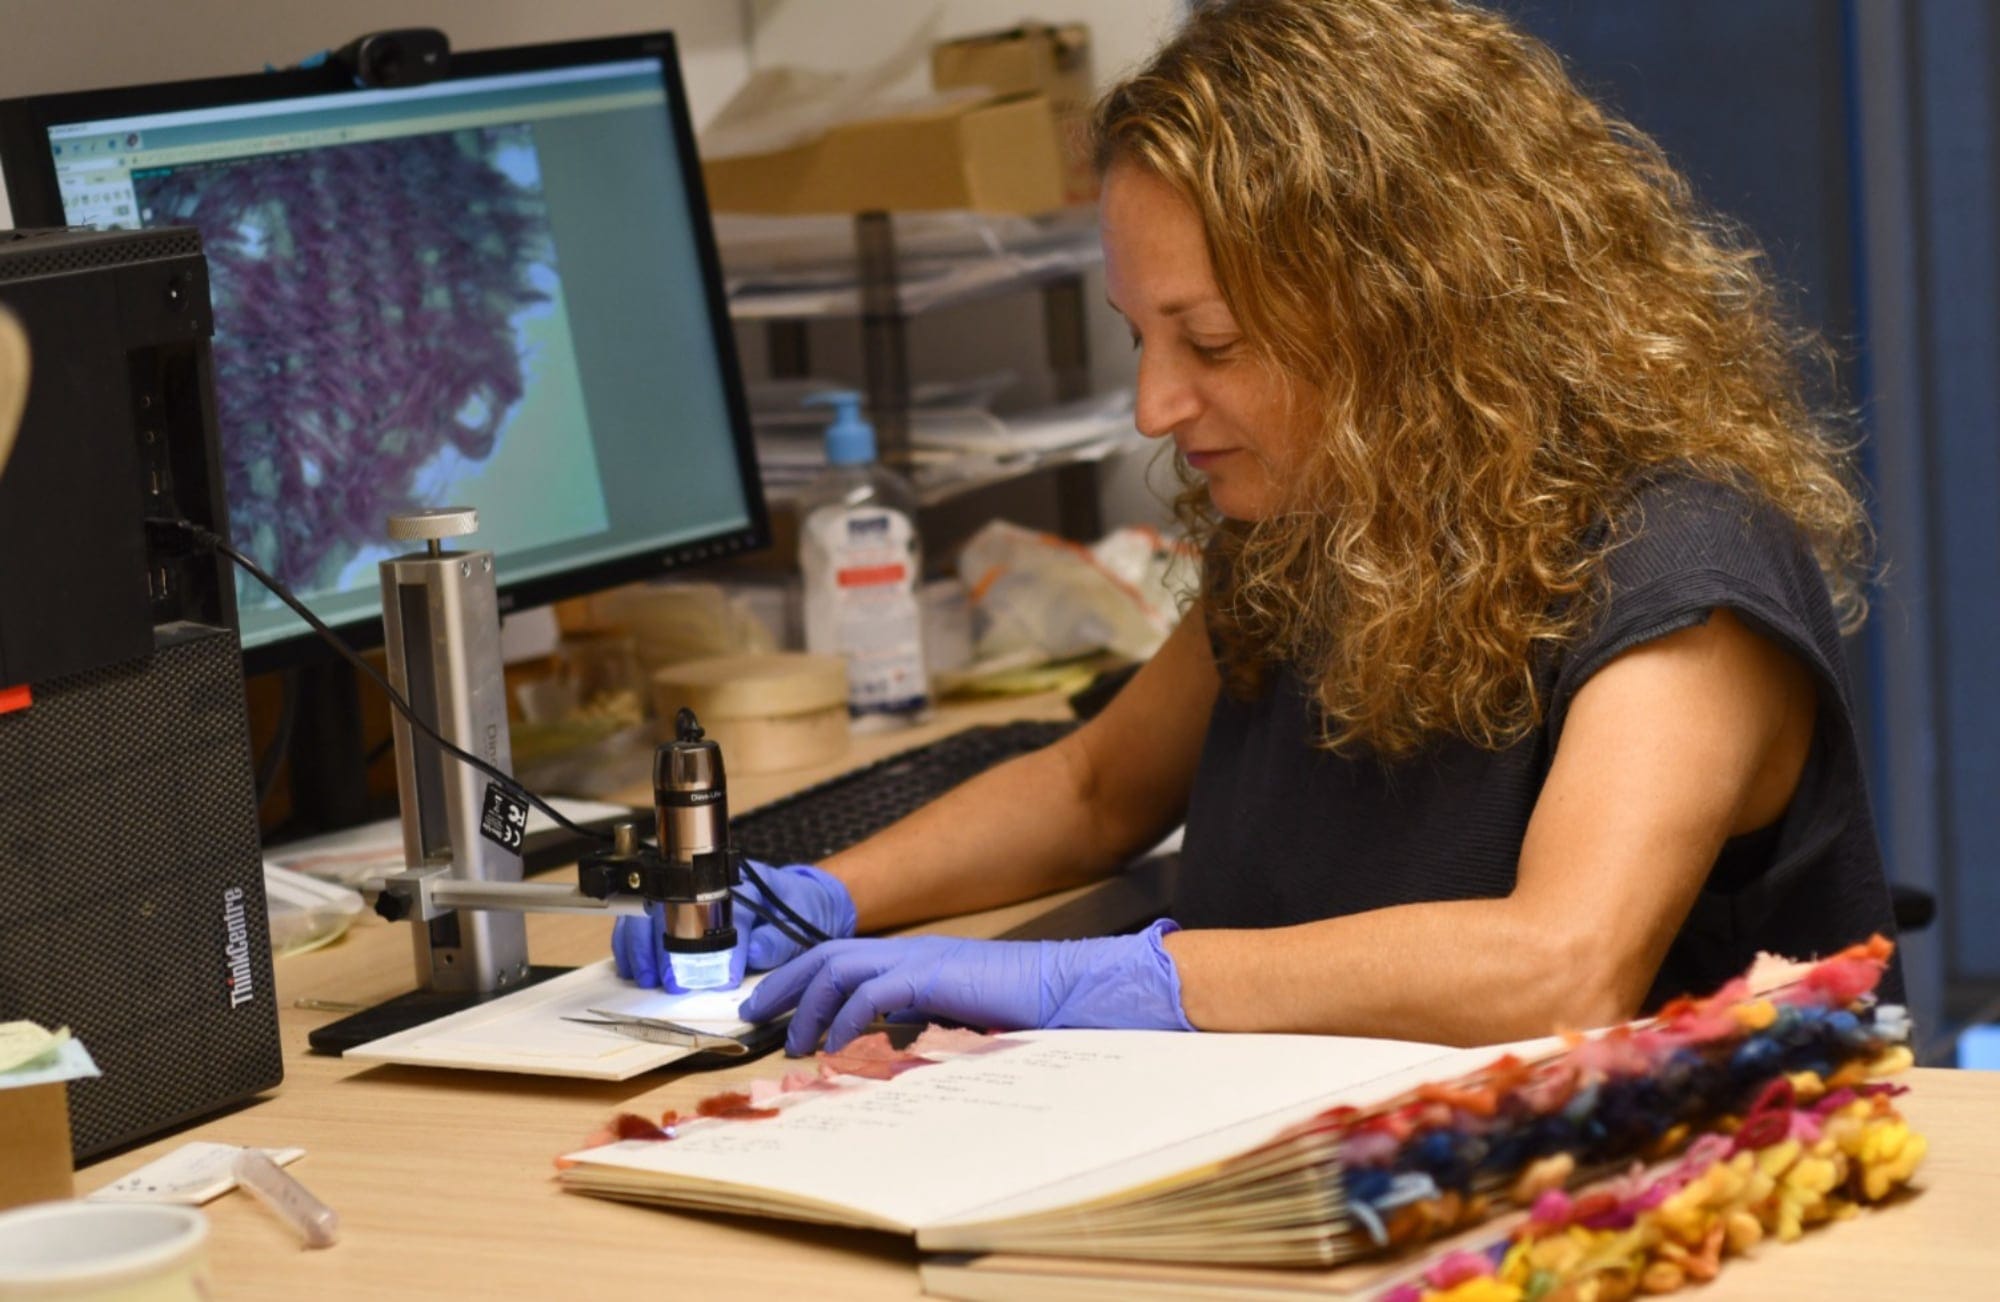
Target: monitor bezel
28,166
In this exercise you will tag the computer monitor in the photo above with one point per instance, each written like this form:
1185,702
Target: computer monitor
497,289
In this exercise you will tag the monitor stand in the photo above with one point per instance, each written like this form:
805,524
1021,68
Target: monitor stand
327,757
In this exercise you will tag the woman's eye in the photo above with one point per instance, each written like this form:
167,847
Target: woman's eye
1211,352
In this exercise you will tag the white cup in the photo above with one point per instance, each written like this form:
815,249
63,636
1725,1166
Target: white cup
103,1252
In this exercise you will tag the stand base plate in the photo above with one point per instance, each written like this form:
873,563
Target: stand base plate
410,1010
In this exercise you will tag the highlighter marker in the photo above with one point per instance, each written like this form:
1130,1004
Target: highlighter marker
317,1224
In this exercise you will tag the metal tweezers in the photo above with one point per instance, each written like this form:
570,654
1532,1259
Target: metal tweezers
658,1030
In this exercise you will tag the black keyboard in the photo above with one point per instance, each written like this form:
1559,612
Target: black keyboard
809,825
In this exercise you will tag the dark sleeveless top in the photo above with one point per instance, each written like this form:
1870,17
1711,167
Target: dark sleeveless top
1281,833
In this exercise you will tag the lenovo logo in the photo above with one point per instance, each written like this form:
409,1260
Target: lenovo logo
237,948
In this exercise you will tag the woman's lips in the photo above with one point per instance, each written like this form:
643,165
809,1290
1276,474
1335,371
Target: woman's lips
1203,460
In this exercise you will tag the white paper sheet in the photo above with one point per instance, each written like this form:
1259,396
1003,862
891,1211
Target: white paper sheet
195,1173
525,1031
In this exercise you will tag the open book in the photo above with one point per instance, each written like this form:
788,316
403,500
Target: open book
1011,1277
1221,1149
1040,1136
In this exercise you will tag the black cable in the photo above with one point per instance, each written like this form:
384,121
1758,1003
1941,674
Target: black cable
211,541
777,923
771,899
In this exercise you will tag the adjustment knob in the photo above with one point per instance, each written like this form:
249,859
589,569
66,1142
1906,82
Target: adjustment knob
433,523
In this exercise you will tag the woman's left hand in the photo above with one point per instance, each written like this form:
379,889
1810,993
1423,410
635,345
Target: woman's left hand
838,988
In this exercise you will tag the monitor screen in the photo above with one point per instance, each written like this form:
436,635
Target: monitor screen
496,290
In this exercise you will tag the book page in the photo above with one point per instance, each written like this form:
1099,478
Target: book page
1234,1135
944,1141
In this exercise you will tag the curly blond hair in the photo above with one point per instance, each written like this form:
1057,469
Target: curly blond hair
1507,310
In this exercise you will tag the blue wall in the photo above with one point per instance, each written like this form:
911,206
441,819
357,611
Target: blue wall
1857,144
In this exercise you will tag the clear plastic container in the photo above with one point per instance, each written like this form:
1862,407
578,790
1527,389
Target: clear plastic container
861,558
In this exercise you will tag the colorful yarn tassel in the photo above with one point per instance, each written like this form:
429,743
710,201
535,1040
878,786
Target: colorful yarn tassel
1818,1139
1786,1165
1446,1155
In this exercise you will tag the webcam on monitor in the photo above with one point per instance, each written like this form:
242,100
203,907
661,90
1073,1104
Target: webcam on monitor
405,56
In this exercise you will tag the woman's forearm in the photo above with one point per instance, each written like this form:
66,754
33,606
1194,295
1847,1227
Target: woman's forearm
1458,972
1017,831
1064,815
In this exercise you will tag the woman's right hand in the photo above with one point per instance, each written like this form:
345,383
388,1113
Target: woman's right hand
638,942
813,893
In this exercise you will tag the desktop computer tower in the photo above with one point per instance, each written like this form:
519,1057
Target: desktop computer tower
131,878
132,887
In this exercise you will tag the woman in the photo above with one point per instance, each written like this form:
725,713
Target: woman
1512,696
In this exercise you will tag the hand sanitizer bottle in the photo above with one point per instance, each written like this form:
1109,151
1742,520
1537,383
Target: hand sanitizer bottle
861,560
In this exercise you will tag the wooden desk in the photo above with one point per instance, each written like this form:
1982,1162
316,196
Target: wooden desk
443,1179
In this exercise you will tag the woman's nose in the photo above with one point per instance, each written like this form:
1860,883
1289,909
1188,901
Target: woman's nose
1165,401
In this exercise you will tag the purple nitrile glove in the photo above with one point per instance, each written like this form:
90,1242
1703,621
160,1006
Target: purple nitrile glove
638,950
813,893
1124,982
637,943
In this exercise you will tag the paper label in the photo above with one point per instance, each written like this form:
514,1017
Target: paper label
503,820
191,1175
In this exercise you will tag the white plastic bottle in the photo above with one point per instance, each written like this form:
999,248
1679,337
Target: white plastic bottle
861,560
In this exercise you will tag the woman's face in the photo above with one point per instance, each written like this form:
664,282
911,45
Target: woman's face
1230,417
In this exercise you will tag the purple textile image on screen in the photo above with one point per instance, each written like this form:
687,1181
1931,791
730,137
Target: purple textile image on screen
376,307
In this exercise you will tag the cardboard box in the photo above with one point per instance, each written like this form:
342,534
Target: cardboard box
990,155
34,1144
1034,58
